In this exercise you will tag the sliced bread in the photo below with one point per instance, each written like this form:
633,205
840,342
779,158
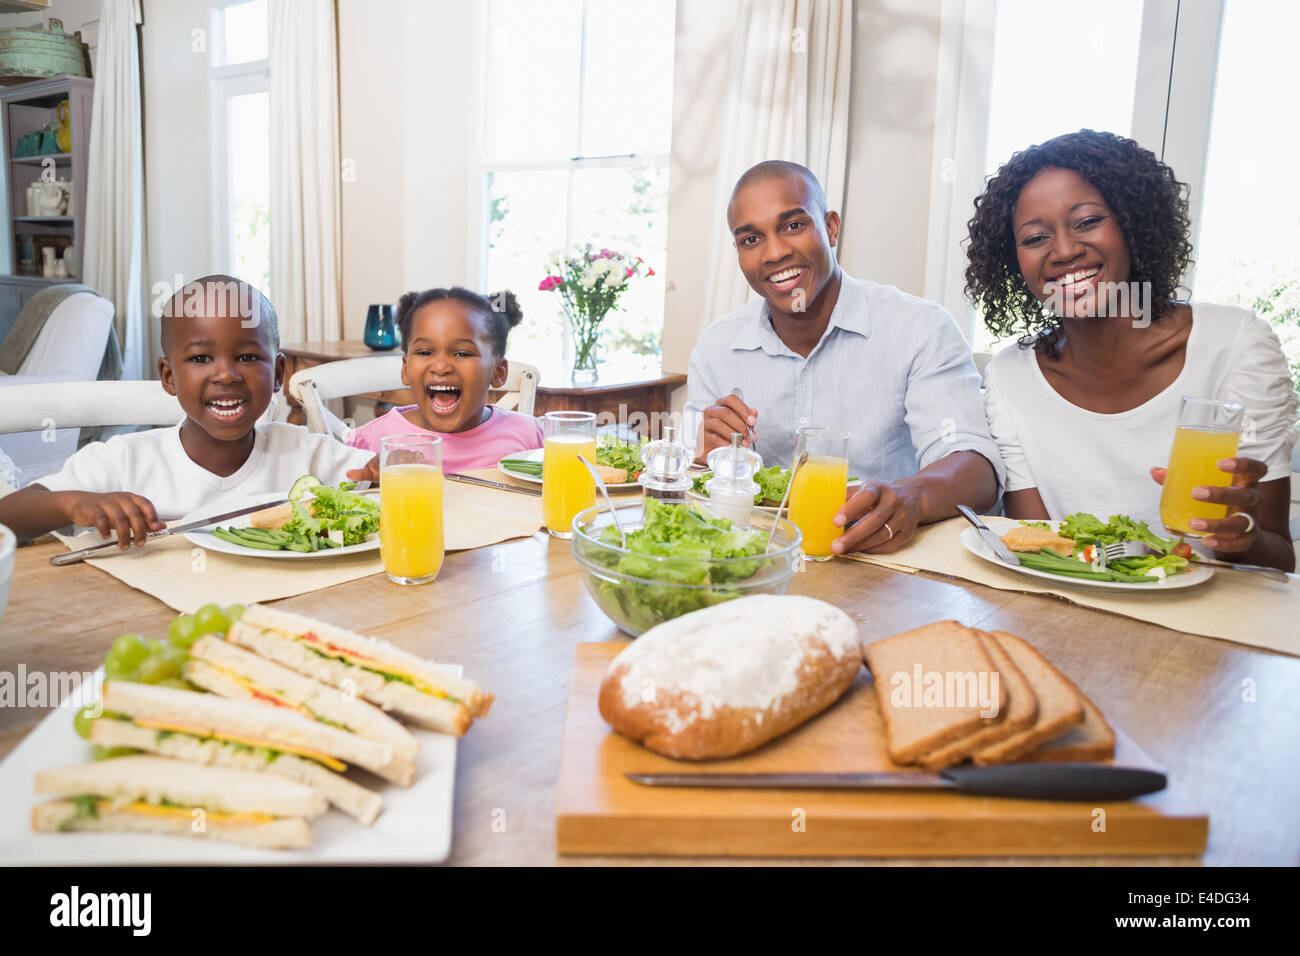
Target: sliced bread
917,719
1020,714
1091,740
1059,704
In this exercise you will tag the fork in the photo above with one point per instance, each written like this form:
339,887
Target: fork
1136,549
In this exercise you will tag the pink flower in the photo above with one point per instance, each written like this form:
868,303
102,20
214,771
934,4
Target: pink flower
649,271
629,273
549,283
605,254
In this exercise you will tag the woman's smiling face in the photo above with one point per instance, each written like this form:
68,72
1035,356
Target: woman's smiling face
450,365
1068,242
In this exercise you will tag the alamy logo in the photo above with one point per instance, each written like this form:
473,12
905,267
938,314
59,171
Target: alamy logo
53,689
922,688
102,909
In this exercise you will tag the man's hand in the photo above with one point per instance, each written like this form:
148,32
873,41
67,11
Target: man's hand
130,516
368,472
877,504
723,417
1229,535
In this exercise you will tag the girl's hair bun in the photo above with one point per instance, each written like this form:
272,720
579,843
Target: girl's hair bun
507,304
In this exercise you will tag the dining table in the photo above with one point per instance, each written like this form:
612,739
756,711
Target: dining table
1223,720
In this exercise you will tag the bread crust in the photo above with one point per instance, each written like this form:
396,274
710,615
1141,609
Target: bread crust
284,834
1059,706
1094,739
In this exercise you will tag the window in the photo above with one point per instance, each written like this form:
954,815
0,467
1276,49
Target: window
1196,83
576,127
1250,212
241,228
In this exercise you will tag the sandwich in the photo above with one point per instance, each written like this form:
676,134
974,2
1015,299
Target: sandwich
207,729
231,671
421,691
153,795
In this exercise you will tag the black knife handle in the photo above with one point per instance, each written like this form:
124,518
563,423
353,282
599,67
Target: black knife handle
1056,781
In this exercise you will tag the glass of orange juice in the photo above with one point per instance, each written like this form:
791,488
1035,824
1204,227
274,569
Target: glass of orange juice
1207,431
819,488
567,487
410,507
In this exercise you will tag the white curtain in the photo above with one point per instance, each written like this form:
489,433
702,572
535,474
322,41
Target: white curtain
787,98
113,262
305,234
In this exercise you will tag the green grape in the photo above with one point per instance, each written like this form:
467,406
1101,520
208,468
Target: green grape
234,612
182,632
176,682
100,752
157,667
114,669
158,646
128,651
82,722
210,619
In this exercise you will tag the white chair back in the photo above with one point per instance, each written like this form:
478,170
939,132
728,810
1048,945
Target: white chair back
71,343
32,407
313,387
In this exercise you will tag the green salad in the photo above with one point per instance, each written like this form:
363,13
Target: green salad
610,452
678,544
337,518
1090,534
772,482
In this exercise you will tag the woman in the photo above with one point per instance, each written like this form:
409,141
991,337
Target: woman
1078,244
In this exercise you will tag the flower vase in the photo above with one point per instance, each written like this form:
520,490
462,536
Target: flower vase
584,352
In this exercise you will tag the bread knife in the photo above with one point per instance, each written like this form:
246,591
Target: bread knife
104,550
1025,781
990,538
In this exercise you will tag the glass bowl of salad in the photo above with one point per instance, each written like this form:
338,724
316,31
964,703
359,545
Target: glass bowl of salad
678,558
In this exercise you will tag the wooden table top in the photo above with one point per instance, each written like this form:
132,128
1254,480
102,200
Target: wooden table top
512,613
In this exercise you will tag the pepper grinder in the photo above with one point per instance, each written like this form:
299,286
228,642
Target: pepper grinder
732,487
666,460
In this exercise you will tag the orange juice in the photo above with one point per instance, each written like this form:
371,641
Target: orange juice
410,521
1193,462
567,487
818,493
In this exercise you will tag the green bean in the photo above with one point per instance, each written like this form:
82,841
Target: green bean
230,536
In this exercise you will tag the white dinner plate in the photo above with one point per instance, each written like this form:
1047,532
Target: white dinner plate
976,545
415,825
204,537
535,454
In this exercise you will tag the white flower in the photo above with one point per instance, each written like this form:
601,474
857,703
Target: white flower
617,280
587,281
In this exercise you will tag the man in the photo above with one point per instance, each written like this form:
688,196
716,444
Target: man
824,348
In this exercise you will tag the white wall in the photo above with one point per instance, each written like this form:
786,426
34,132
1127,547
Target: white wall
407,79
177,144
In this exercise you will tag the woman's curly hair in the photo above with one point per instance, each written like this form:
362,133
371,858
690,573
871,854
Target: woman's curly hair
1150,206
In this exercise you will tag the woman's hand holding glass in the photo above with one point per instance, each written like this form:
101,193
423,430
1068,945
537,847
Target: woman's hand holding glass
1238,531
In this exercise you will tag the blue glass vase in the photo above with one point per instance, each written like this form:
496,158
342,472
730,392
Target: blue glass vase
381,330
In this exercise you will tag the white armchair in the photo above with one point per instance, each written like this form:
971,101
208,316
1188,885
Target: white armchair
70,348
313,387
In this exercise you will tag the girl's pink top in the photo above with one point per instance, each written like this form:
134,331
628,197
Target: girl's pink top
503,434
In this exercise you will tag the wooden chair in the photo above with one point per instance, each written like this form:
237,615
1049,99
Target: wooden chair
313,387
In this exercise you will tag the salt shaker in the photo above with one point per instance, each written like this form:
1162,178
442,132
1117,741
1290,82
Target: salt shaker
666,461
732,487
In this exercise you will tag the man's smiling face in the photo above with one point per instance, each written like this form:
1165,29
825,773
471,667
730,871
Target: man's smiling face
784,241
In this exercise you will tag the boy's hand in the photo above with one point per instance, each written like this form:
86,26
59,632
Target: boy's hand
132,517
727,415
369,472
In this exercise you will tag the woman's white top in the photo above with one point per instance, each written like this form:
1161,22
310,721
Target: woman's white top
1099,463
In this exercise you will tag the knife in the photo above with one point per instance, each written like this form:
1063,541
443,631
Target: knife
1026,781
991,539
72,557
500,485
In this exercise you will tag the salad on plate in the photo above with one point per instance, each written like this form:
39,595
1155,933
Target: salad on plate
1074,549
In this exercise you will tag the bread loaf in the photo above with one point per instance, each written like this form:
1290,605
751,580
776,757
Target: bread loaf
729,678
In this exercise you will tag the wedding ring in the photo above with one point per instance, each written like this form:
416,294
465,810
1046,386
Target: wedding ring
1250,522
890,530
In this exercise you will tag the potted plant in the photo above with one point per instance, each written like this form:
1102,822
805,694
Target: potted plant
590,283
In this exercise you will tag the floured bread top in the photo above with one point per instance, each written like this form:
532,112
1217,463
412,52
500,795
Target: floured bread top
738,654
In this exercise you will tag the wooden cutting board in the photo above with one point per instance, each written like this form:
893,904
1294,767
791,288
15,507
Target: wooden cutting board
599,811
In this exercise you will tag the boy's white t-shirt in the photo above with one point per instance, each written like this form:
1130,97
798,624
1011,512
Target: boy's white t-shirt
153,464
1080,460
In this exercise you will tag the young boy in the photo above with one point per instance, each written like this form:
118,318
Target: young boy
222,360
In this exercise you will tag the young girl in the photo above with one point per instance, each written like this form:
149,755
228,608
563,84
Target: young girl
1079,244
454,346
